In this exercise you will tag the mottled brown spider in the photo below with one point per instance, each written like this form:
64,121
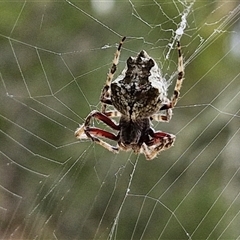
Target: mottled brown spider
139,95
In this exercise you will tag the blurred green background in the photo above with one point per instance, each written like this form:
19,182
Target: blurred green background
54,59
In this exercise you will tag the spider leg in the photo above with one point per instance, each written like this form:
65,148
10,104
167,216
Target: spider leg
94,133
179,81
105,95
102,117
84,131
160,141
113,113
162,116
79,133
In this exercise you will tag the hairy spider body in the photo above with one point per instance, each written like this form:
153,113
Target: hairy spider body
139,91
139,95
133,133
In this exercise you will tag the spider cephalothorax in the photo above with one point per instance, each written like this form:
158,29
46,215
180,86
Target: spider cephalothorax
139,95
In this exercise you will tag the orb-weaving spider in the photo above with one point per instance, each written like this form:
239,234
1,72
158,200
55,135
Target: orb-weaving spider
139,95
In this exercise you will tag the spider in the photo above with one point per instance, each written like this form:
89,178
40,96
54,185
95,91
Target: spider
138,95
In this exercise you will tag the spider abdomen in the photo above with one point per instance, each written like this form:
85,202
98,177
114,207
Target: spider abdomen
140,90
135,101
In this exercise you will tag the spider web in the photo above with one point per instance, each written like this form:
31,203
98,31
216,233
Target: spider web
54,60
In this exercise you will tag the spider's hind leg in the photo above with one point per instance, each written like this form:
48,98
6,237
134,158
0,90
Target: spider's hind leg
178,85
180,78
105,95
163,115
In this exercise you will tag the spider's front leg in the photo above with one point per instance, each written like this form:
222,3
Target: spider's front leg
160,141
85,131
94,133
